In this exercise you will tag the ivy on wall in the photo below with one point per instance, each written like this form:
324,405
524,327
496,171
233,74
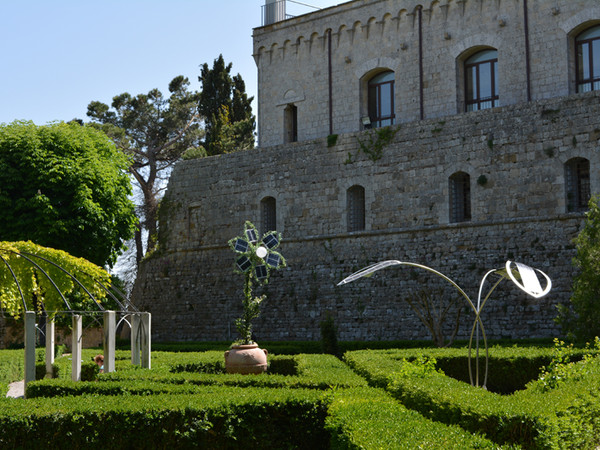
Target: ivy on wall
376,140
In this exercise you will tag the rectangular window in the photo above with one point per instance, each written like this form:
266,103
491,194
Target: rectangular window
481,81
290,123
577,184
460,197
355,203
268,214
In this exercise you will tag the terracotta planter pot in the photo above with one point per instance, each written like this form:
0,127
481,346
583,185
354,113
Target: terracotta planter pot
246,359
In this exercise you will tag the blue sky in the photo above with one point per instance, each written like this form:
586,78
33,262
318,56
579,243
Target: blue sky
56,56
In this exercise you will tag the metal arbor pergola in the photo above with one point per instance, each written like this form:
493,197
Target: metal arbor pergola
139,322
523,276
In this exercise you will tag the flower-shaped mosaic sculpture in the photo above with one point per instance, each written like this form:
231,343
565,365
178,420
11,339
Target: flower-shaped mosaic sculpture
255,260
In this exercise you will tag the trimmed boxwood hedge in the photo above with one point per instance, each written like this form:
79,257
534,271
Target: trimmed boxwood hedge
212,417
307,401
370,419
310,371
565,417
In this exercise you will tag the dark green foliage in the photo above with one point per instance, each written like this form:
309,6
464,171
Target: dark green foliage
370,418
64,186
329,336
11,365
89,371
210,418
319,403
526,418
374,143
226,109
40,371
332,140
295,347
581,318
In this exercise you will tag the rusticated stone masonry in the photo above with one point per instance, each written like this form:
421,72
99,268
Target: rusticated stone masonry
321,62
518,213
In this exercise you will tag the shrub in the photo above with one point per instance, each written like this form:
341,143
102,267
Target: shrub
369,418
564,417
11,365
329,336
582,318
211,418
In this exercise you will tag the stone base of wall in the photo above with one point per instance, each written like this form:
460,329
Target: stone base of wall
189,304
515,157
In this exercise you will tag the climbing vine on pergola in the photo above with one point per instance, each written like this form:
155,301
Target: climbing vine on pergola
32,276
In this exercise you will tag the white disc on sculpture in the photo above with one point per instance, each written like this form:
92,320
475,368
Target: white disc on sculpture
261,252
528,280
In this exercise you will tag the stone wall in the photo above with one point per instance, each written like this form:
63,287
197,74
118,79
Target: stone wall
293,58
519,214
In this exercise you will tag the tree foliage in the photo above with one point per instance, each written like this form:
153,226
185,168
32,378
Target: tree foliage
582,318
155,131
19,259
226,108
64,186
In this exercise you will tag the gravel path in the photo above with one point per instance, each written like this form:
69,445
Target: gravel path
16,389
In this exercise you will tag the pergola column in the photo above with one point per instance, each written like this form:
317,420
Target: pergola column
145,341
135,339
110,327
30,318
76,348
50,338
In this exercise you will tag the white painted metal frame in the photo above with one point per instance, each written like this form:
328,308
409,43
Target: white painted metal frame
523,276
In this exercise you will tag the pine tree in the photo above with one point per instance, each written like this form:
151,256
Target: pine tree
155,132
228,120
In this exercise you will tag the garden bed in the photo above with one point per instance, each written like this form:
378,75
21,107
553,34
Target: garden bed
373,399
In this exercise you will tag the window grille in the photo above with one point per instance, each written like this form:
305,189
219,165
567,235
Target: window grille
460,197
268,214
356,208
577,177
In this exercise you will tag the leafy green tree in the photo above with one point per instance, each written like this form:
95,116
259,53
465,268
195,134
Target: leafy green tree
582,318
36,287
65,186
226,108
155,131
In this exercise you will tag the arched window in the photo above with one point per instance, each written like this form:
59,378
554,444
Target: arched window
355,205
460,197
481,80
268,214
587,61
577,184
381,99
290,124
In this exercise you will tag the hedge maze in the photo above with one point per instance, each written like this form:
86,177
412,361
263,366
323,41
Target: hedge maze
371,399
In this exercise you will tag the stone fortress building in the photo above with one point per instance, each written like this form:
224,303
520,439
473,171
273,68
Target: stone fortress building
453,133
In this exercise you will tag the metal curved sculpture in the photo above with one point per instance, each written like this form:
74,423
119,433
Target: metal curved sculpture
523,276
